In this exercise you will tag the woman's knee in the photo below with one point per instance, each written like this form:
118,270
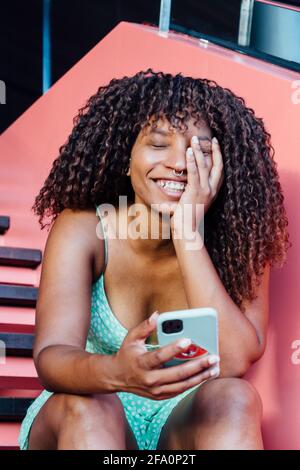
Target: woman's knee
64,411
89,407
228,397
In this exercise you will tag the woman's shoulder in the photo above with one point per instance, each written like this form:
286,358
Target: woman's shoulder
80,228
79,221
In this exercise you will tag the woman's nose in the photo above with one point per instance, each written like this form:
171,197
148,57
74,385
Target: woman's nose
177,159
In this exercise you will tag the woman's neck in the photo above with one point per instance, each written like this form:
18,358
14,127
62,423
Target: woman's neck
147,231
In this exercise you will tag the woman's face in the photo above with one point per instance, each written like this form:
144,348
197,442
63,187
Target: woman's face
156,153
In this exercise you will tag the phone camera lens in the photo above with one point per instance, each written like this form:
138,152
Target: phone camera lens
172,326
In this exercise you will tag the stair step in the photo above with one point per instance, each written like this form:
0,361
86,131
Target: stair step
17,319
23,257
14,393
19,276
19,373
9,433
12,294
14,409
17,344
4,224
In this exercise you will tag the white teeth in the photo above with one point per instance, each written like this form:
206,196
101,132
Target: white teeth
171,184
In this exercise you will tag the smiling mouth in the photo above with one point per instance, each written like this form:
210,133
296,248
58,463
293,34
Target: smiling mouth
170,188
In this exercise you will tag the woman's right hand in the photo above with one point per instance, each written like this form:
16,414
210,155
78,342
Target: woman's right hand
141,371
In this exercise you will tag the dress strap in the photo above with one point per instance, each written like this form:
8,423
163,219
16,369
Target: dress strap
104,236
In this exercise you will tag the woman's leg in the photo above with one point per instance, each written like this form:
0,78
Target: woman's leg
224,413
68,421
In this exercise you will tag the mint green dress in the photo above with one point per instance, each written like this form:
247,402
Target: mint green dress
145,416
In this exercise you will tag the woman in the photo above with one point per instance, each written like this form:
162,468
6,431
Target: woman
105,386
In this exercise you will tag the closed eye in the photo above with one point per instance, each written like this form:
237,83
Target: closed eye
159,146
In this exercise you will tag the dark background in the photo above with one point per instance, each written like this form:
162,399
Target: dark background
76,27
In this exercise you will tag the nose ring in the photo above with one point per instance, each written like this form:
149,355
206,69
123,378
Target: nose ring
177,174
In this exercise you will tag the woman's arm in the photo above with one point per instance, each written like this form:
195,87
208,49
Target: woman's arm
242,336
63,309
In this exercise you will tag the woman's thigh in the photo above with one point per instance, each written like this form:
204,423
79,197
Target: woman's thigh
47,424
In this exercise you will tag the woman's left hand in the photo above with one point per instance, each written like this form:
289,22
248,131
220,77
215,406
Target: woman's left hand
205,176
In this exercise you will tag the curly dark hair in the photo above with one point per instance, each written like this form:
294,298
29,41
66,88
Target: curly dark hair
246,225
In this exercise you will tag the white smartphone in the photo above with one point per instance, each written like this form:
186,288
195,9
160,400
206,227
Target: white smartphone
198,324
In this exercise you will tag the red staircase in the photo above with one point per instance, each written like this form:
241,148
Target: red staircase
19,384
